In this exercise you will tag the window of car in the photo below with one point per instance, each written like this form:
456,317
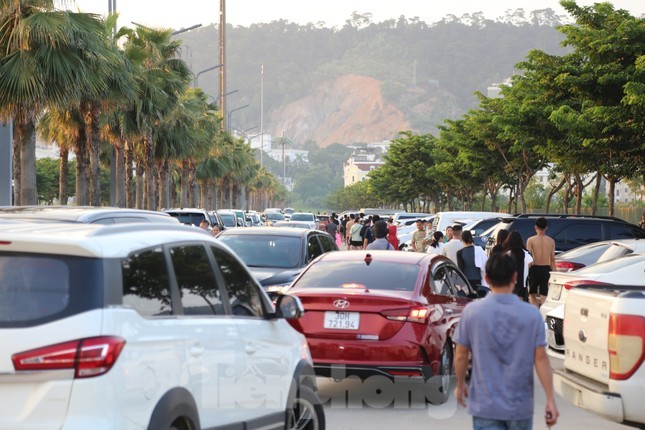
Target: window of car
229,220
313,247
200,294
328,244
577,234
284,252
441,282
146,286
378,275
618,231
32,288
243,294
303,217
460,285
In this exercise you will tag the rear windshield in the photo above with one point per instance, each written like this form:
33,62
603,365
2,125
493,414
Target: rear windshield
37,289
379,275
302,217
189,218
266,251
228,220
275,216
613,265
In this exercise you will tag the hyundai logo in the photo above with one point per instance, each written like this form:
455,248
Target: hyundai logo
341,304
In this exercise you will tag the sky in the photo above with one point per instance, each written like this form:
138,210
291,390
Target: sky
185,13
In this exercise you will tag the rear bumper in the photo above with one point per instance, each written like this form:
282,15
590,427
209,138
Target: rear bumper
342,371
589,395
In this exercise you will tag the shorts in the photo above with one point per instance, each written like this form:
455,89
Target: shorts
356,243
488,424
539,279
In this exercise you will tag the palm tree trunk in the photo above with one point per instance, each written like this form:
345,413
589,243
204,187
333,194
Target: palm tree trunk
139,186
164,184
203,195
93,148
129,165
185,185
149,170
81,168
63,167
27,133
17,141
120,175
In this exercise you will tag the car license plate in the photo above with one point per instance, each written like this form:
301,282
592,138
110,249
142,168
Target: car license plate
342,320
557,291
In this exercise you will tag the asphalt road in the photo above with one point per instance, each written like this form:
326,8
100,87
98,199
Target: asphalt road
382,405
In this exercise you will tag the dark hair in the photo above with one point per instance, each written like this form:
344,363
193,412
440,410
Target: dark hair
352,216
390,220
376,218
514,241
467,237
437,237
500,269
380,228
457,228
541,223
501,237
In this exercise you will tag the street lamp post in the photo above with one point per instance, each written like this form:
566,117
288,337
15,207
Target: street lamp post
231,113
196,80
227,94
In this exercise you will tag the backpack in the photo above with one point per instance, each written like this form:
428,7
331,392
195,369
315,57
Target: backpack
355,232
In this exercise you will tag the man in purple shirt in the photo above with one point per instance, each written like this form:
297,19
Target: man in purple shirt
506,339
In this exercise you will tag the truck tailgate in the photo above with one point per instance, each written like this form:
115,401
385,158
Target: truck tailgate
586,323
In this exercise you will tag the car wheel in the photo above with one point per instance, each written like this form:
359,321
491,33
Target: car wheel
440,384
306,412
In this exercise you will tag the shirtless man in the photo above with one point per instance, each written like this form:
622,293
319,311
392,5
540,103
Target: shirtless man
542,248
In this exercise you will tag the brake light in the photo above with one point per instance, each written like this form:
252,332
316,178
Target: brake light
416,314
573,284
567,266
626,344
88,357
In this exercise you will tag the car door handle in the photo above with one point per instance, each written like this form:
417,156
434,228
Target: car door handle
449,311
250,349
196,350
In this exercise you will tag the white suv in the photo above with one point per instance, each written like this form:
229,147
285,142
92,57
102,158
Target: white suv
144,327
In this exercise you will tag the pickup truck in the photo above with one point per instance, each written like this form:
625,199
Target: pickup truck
604,337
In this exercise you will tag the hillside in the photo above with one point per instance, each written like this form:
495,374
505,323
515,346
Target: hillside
349,109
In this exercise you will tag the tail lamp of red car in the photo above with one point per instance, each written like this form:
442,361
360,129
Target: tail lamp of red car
626,344
88,357
567,266
417,314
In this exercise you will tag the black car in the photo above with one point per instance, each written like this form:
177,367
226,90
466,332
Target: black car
569,231
277,255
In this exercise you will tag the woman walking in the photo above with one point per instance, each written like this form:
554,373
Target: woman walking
514,246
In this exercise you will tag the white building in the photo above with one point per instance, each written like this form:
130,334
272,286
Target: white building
363,160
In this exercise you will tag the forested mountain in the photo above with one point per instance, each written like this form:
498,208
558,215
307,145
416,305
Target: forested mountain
426,72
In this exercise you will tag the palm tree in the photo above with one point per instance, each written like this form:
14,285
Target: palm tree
162,80
44,62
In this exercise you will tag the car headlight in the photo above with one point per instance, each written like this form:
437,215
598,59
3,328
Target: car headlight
277,289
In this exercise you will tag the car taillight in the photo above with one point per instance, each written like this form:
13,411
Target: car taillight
417,314
573,284
88,357
626,344
567,266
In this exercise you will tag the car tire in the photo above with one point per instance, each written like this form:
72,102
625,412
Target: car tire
439,386
306,411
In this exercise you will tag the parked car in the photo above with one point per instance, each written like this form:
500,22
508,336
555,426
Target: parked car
570,231
305,216
399,217
144,326
443,219
276,255
383,313
605,336
229,218
273,217
479,229
293,224
195,216
84,214
628,269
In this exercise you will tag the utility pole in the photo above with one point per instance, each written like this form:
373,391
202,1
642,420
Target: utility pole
222,61
261,113
284,164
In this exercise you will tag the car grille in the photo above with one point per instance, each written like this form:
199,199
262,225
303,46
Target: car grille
556,325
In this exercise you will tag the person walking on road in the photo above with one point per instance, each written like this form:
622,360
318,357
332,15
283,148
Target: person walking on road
418,238
505,339
356,240
542,248
380,230
436,245
514,246
392,233
471,260
455,244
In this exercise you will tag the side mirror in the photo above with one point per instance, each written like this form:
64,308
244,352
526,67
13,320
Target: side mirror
289,307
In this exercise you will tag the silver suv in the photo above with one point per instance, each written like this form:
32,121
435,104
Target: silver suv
144,326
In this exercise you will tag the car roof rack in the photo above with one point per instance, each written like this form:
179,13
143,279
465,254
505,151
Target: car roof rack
537,215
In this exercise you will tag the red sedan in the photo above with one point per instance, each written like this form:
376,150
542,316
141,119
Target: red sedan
382,313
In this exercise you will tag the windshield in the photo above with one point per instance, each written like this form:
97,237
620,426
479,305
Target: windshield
275,216
188,218
228,220
379,275
302,217
612,265
266,251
